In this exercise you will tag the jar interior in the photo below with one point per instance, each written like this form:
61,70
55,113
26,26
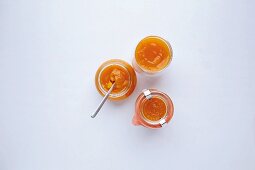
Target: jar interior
153,54
153,110
115,94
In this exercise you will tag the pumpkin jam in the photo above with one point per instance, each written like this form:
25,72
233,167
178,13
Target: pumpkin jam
153,53
154,109
117,74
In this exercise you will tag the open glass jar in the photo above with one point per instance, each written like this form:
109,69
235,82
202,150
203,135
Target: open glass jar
153,109
117,71
152,55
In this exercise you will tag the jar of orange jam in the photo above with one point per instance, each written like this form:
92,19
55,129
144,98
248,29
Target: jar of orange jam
153,109
117,71
152,55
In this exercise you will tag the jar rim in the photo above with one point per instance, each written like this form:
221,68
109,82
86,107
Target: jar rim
170,51
121,93
115,96
158,123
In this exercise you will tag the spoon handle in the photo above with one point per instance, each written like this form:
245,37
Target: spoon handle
103,101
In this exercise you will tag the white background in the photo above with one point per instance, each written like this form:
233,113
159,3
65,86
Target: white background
50,50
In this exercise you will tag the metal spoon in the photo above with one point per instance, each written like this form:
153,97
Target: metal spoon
103,101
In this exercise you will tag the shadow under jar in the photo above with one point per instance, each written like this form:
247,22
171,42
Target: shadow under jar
117,71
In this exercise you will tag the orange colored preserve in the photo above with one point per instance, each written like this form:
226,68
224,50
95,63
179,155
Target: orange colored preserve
117,74
154,109
117,71
153,54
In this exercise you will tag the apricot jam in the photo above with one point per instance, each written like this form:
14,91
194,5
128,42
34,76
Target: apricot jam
154,109
153,54
118,72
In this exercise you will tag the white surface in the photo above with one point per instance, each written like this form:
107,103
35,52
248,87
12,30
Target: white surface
50,50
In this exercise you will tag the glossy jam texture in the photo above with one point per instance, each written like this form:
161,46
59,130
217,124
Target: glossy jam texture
153,54
120,72
154,109
117,74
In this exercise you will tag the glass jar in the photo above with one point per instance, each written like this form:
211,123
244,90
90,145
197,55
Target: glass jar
153,109
153,54
117,71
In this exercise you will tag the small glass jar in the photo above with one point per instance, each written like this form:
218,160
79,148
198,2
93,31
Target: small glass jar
153,109
123,75
153,54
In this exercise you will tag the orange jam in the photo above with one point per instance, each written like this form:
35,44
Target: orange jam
117,74
154,109
153,53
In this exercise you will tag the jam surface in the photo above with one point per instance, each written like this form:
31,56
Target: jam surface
152,53
117,74
154,109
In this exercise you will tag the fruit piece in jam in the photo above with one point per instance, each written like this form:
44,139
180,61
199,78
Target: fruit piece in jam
117,74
